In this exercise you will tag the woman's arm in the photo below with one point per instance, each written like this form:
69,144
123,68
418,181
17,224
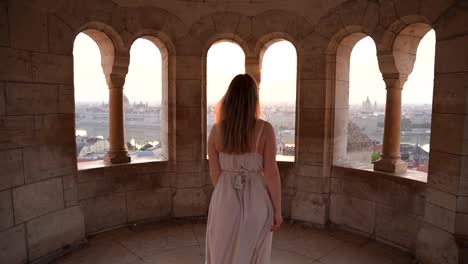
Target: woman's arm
213,156
271,172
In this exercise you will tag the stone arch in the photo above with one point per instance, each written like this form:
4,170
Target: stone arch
167,50
338,62
220,37
264,42
110,44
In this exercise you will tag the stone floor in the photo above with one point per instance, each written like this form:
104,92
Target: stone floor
183,242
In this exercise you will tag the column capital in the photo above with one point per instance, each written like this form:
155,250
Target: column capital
115,81
395,80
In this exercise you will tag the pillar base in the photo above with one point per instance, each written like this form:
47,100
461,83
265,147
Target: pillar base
390,165
117,157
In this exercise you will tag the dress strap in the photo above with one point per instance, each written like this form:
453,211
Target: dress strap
258,138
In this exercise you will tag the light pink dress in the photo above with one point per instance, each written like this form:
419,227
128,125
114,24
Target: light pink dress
241,212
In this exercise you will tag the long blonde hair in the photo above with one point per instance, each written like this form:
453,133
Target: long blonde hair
237,113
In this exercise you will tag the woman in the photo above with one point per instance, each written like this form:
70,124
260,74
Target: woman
245,206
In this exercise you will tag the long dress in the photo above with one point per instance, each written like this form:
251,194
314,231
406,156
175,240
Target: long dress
241,212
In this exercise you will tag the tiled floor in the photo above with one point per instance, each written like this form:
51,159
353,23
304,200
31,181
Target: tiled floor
183,242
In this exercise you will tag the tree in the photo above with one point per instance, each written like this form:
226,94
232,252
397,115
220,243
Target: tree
146,146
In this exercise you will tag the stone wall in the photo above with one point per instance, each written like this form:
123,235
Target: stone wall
41,187
377,205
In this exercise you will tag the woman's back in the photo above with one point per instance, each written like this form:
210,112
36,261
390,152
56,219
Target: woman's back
252,160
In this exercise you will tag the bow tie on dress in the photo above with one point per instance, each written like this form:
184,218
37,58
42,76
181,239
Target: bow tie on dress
239,179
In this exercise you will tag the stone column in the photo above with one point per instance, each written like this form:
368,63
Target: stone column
252,67
390,160
117,152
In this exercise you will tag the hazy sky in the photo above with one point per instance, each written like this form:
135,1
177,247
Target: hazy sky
226,59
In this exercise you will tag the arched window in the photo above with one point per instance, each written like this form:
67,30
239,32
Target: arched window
416,112
360,98
225,60
143,102
367,96
278,94
91,100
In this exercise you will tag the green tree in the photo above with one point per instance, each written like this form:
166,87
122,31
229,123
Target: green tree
375,156
146,146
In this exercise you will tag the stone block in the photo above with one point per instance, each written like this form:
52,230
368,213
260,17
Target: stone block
312,122
406,8
50,68
440,217
441,250
13,245
189,180
4,27
310,150
56,130
309,207
188,68
149,204
28,99
462,204
313,67
448,61
190,202
104,212
43,162
36,199
28,27
6,210
359,187
311,184
445,170
370,19
452,23
54,231
226,21
432,9
70,190
61,36
11,174
188,93
450,93
441,198
351,13
312,93
404,195
461,224
329,25
16,131
352,212
16,65
66,99
387,13
397,226
309,170
2,99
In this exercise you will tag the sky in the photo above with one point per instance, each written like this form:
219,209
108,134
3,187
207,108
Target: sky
226,59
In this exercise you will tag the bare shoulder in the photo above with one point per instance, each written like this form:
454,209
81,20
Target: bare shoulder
267,127
214,129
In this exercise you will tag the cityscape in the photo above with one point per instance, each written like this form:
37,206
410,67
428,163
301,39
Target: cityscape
364,141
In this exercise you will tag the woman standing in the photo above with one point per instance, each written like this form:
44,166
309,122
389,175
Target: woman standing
245,206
